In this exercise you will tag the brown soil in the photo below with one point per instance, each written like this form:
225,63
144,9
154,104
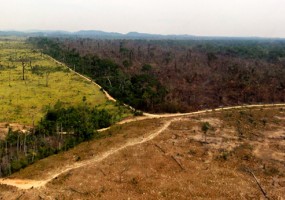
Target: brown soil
4,128
168,159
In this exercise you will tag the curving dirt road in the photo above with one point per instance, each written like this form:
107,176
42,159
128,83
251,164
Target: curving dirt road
27,184
149,115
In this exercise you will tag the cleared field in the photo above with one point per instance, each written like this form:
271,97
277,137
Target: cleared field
45,84
182,160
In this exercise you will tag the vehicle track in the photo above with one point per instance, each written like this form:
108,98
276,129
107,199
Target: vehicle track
27,184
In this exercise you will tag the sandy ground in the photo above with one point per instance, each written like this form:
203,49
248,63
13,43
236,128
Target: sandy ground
172,161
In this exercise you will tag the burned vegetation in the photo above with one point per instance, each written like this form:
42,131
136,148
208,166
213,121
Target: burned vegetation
178,76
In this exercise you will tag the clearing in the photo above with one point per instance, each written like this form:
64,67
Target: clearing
46,82
168,158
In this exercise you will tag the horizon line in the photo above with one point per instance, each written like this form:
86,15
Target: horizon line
126,33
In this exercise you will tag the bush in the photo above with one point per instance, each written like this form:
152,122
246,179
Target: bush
138,113
205,127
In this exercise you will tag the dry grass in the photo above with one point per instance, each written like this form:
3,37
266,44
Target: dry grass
112,138
178,164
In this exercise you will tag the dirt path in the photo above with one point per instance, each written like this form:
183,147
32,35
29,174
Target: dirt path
149,115
166,115
28,184
108,96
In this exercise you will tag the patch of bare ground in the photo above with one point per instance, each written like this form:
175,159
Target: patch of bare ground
239,156
4,128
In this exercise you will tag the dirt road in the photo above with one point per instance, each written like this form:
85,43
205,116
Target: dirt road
27,184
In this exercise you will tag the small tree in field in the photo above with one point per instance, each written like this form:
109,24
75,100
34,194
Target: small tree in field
205,127
42,71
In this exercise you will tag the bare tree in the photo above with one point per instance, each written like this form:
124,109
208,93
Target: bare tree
47,78
23,66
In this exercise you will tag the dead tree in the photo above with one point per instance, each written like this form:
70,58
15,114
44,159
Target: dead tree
23,65
47,78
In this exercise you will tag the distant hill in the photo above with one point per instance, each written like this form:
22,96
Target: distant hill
97,34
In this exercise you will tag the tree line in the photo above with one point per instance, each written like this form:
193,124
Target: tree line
141,90
59,130
178,76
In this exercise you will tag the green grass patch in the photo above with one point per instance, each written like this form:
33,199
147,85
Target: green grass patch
46,83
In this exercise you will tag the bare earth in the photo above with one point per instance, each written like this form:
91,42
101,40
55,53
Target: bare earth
167,158
174,161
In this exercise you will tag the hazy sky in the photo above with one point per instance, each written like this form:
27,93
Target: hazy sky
196,17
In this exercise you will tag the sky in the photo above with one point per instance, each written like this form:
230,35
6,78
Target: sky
263,18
